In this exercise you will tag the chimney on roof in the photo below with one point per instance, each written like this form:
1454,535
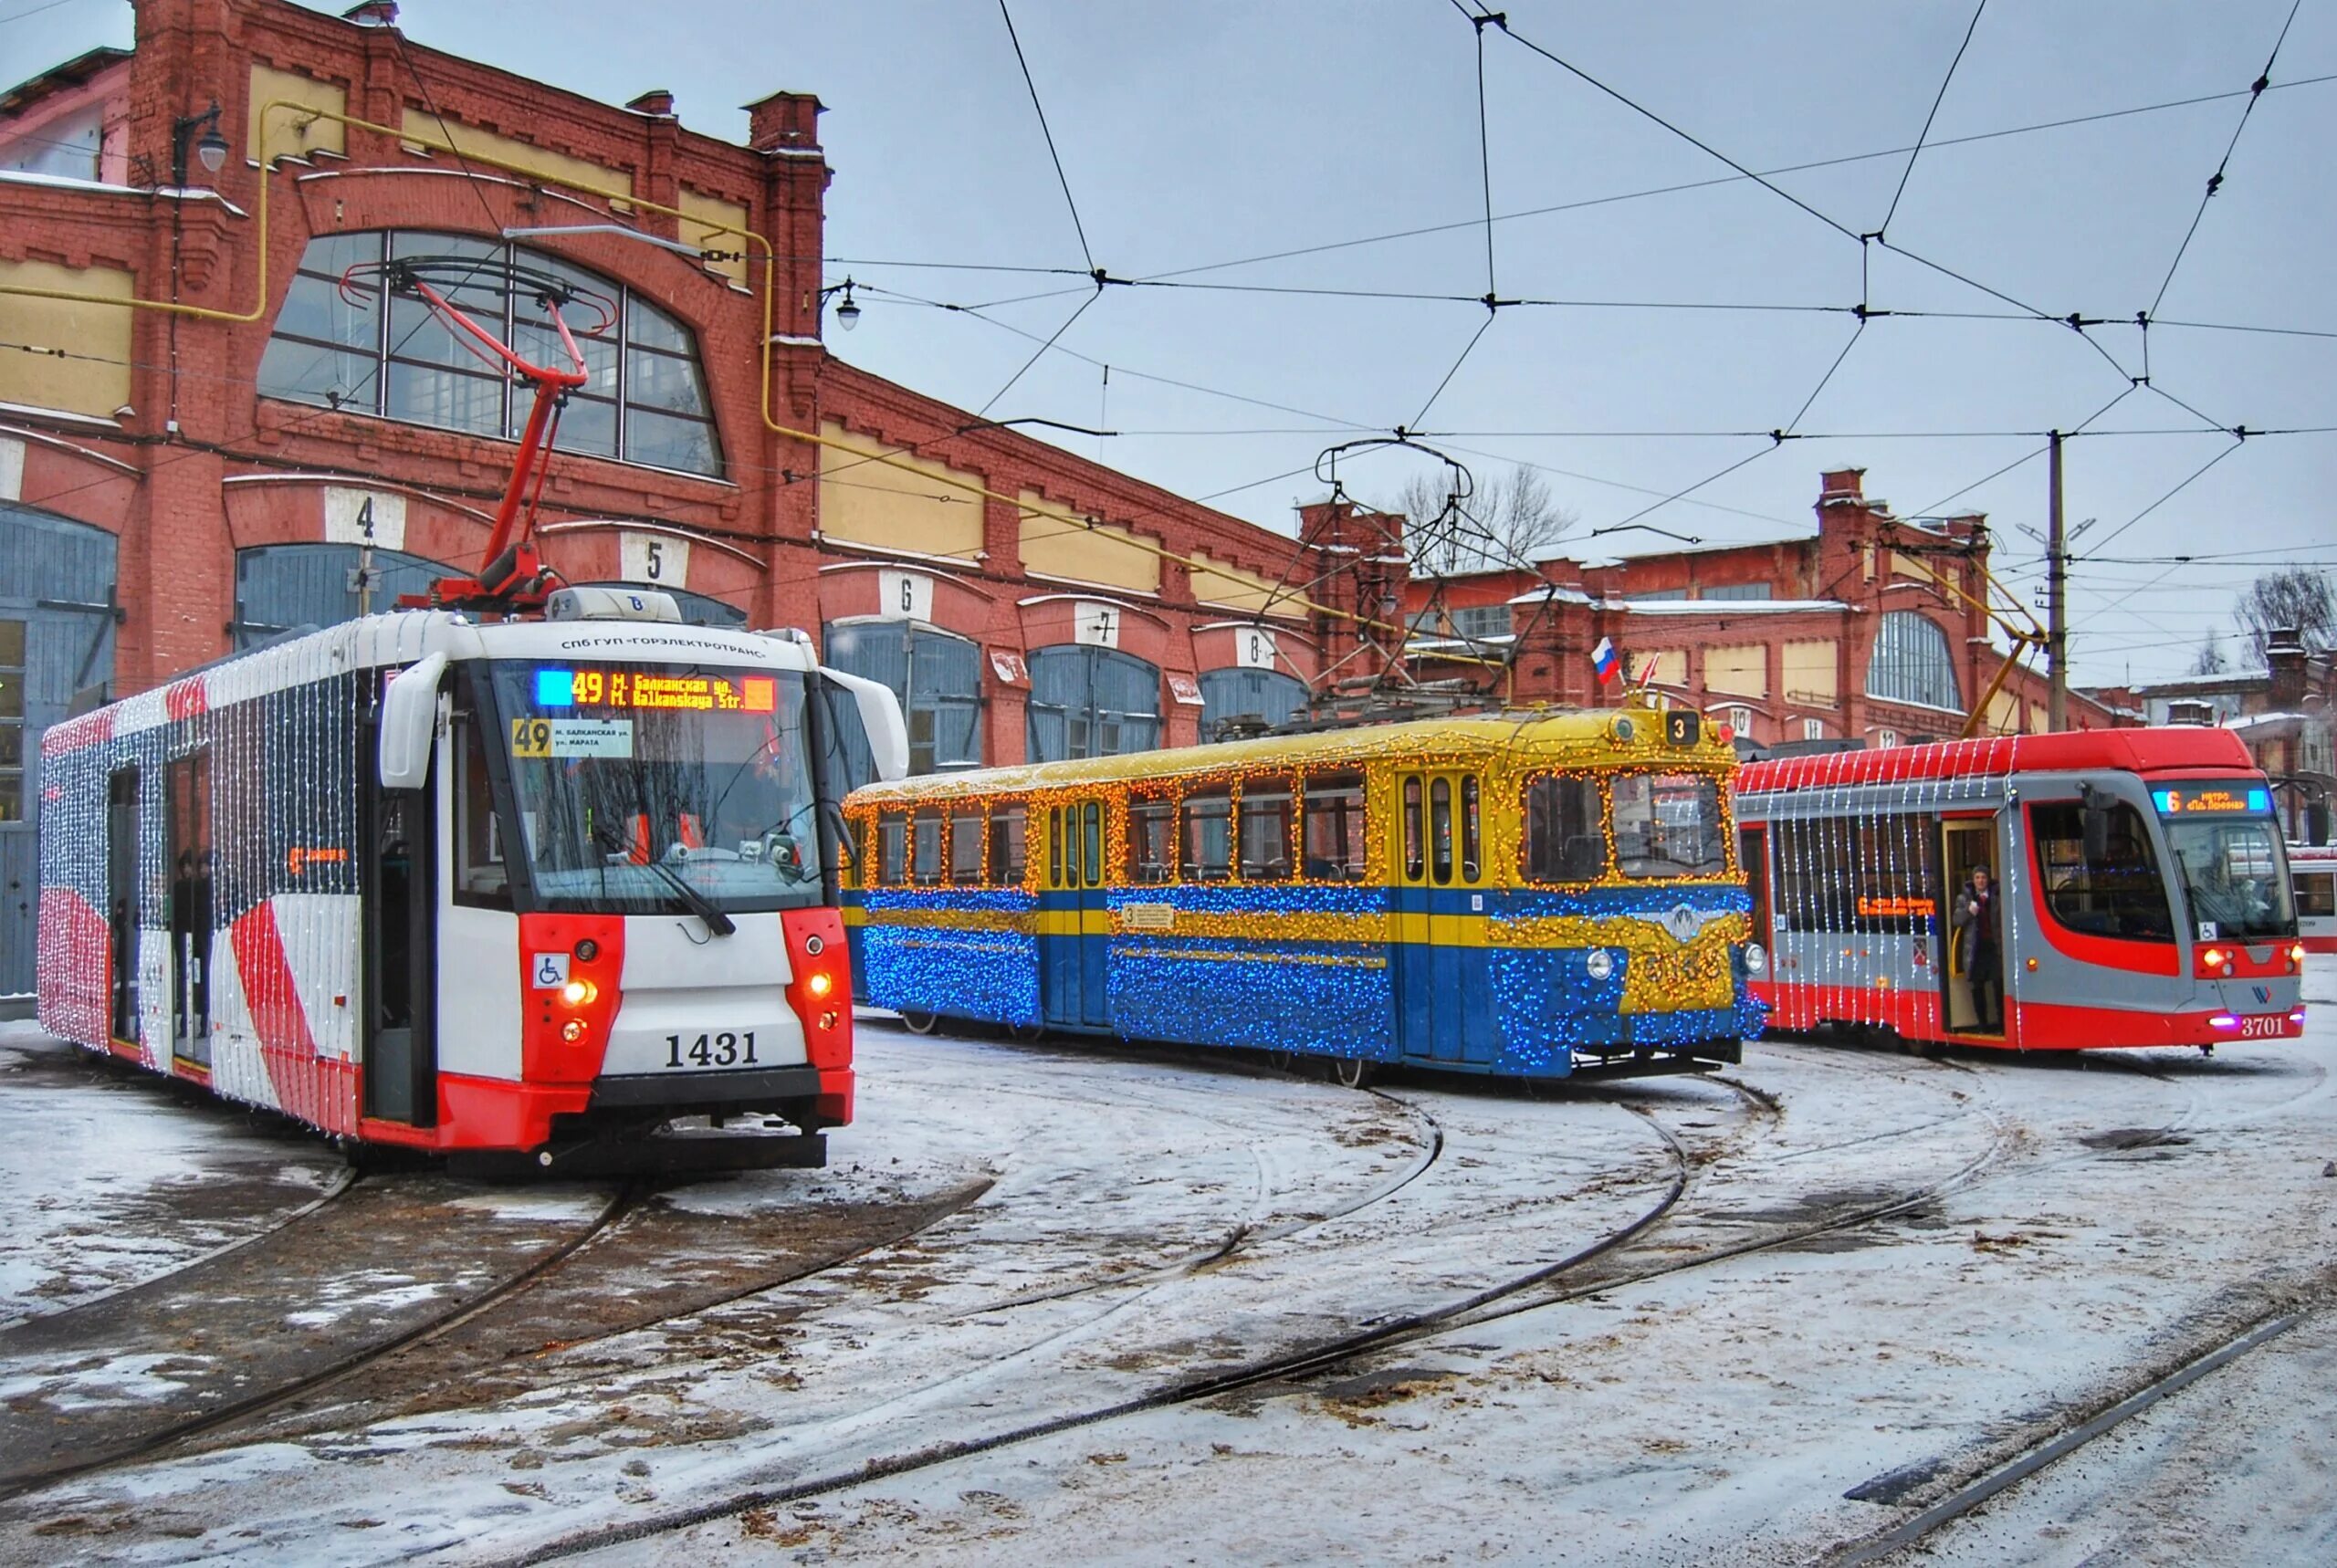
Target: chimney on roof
1840,486
656,100
2284,654
2190,710
784,119
373,14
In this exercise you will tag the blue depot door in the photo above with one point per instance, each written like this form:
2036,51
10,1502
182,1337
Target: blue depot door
1074,924
57,624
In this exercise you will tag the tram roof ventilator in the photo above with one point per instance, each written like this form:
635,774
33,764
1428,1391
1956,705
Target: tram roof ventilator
612,604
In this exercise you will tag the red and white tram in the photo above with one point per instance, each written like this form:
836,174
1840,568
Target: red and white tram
2312,868
533,889
2141,896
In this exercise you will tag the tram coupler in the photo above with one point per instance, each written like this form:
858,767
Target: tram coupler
685,1155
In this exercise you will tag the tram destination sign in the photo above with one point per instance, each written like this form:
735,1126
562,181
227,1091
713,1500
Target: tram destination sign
2211,800
634,690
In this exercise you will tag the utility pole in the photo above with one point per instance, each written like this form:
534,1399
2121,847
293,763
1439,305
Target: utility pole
2056,671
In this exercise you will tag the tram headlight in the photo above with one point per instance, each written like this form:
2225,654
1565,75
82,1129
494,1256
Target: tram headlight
1600,963
1757,959
572,1031
819,983
578,993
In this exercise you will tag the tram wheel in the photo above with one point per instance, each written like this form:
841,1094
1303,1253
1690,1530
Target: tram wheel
1279,1060
1024,1031
919,1022
1350,1071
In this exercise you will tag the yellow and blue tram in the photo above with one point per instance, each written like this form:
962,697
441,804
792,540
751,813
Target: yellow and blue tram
1538,894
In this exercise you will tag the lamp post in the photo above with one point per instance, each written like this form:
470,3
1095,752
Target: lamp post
847,309
211,149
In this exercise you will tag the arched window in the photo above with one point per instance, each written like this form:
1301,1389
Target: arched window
1092,701
938,678
647,401
697,609
278,586
1912,662
1244,697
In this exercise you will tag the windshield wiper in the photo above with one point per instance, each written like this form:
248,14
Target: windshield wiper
705,908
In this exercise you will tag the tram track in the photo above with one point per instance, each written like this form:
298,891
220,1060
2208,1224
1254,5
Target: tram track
1512,1298
626,1204
2100,1417
157,1441
334,1189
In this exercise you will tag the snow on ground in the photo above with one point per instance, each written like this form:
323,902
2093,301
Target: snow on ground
2077,1227
112,1180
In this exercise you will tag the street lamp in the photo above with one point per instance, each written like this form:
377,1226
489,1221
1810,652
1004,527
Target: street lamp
847,309
211,149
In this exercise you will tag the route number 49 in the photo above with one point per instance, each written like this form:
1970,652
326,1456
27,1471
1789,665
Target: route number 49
724,1049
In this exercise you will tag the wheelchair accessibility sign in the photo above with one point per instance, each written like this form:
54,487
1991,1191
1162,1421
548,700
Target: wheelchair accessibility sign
547,971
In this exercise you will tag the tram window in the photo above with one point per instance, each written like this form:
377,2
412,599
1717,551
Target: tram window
1469,865
2120,893
1207,835
1668,824
1413,857
1440,831
1092,838
1265,830
925,847
1335,827
966,831
2316,895
480,875
1054,848
892,839
1563,839
1151,855
1006,847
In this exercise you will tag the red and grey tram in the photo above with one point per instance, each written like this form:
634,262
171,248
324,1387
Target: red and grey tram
2037,893
519,893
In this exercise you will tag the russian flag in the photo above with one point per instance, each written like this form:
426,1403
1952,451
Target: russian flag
1603,659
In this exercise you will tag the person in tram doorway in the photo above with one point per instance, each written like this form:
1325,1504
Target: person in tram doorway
1977,928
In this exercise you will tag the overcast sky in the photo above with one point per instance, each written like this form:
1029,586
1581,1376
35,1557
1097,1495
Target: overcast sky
1198,137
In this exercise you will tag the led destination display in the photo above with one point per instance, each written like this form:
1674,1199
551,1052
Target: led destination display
2211,800
636,690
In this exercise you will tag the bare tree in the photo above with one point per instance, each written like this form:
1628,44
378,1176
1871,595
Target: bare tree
1511,521
2210,660
2294,598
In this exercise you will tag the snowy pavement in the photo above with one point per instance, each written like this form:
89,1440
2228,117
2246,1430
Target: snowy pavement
1878,1276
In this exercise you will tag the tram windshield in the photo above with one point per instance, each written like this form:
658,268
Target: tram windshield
645,787
2235,877
1669,825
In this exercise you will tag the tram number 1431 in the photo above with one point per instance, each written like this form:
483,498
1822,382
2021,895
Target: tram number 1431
725,1049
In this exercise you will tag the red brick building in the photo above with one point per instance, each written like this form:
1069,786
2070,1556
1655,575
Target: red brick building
202,433
1868,630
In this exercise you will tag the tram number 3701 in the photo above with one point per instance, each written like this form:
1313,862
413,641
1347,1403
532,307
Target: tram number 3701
725,1049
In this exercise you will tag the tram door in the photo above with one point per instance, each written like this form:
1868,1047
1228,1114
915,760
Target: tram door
121,898
188,847
1753,863
1440,990
1967,842
398,883
1074,928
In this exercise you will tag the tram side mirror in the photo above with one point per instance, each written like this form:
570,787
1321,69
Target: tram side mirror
880,715
410,722
2094,823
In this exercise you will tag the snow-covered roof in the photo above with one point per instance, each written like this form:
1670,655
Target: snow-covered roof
1551,591
1725,606
2257,720
2234,679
